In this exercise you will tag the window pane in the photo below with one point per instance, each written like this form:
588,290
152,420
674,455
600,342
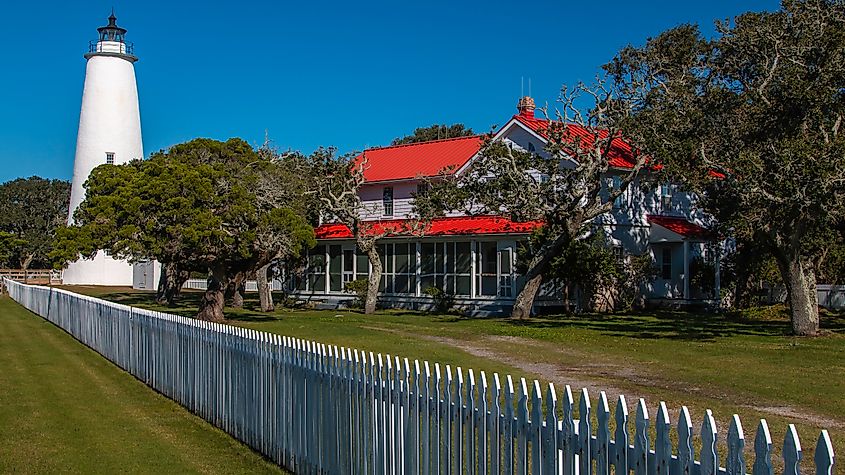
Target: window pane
450,284
427,258
462,286
412,258
450,258
317,258
488,257
401,284
488,285
317,282
348,257
334,259
438,260
388,258
363,264
505,264
426,282
464,258
335,266
402,259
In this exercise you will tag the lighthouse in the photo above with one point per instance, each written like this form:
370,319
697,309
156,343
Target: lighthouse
109,133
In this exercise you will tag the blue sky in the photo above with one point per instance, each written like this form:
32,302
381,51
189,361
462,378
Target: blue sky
348,74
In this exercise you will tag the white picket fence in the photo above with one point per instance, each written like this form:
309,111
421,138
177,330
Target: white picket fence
315,408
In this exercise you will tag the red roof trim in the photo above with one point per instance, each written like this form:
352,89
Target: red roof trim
450,226
680,226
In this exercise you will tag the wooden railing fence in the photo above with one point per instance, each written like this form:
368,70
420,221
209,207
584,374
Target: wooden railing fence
33,276
315,408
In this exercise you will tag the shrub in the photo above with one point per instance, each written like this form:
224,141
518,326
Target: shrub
359,288
443,301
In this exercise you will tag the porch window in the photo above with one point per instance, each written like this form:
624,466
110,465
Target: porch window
666,264
316,272
487,268
387,200
341,270
399,261
446,266
362,265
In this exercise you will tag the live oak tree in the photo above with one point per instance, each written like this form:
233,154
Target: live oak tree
196,206
336,184
565,189
751,121
33,208
434,132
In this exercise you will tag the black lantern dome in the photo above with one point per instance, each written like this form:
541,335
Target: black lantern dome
112,32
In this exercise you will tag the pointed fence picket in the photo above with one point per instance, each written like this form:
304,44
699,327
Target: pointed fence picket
316,408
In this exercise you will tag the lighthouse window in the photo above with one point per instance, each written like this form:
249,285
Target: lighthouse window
110,158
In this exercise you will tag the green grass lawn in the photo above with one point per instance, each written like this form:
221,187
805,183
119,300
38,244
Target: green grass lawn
749,365
64,408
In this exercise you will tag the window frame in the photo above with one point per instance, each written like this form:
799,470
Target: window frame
387,201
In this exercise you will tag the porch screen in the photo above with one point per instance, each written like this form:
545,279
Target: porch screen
446,266
399,262
317,269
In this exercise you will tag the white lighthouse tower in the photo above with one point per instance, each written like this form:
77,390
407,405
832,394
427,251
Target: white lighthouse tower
109,132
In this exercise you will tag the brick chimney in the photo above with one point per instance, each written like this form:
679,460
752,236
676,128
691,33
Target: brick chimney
526,107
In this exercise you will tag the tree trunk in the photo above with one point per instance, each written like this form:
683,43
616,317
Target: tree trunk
235,290
373,281
26,261
211,305
534,279
525,300
265,293
800,279
170,283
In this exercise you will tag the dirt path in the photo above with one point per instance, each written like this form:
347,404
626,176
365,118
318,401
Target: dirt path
580,370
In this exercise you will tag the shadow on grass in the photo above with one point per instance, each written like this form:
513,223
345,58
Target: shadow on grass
682,326
657,324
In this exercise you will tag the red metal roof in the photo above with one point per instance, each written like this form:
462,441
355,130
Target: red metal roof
680,226
452,226
427,159
620,154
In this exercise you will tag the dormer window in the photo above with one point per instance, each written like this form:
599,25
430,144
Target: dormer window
387,200
109,158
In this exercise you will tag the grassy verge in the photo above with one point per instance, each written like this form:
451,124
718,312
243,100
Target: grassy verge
748,365
64,408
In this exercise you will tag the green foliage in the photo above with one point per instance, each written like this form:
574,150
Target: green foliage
359,288
603,282
702,275
443,301
203,204
9,244
33,209
761,105
434,132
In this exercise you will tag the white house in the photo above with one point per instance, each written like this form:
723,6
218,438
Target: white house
473,258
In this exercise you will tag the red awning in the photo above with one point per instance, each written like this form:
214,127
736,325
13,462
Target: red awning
680,226
452,226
